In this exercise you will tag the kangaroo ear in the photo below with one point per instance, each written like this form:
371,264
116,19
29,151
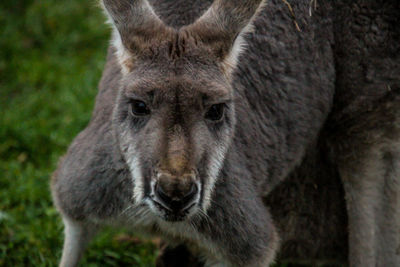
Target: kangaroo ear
222,27
136,27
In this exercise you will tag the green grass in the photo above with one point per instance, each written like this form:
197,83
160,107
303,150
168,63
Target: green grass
51,57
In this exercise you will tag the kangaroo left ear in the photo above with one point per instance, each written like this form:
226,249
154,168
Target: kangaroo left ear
137,28
223,26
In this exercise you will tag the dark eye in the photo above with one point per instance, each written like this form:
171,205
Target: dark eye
215,112
139,108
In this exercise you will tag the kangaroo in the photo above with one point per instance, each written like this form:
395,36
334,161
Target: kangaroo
243,132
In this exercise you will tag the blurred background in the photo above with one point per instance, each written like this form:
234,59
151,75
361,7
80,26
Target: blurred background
51,57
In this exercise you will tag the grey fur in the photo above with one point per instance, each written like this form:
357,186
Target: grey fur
315,145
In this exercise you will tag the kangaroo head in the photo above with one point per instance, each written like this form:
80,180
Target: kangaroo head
175,115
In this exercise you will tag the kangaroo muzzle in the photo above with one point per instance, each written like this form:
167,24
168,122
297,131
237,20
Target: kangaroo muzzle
176,193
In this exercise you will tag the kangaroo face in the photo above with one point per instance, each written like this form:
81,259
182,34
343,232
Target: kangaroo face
174,127
174,117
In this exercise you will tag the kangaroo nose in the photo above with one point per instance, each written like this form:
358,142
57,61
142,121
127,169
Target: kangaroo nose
175,197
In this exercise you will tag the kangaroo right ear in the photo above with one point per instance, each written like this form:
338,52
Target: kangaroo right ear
137,27
222,26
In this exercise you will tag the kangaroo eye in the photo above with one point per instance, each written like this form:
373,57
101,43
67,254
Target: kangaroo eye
215,112
139,108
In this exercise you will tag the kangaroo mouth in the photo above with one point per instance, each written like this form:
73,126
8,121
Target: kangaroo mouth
173,215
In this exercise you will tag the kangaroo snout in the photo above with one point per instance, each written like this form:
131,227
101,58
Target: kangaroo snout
176,193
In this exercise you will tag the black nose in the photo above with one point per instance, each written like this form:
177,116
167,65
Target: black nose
175,198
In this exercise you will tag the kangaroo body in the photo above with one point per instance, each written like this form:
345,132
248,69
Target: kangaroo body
312,171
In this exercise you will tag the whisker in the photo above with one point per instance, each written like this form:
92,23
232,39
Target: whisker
127,210
206,218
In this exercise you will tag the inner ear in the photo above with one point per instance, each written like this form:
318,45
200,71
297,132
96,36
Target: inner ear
125,58
230,61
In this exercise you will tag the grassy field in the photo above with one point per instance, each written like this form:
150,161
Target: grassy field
51,57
